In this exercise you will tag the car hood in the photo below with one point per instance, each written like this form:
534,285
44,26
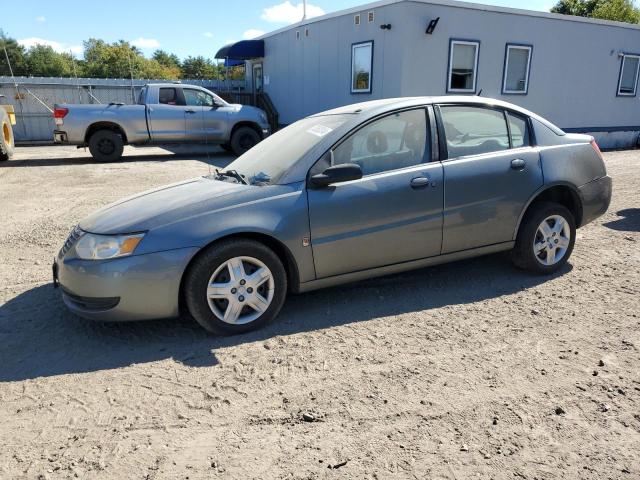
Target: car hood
172,203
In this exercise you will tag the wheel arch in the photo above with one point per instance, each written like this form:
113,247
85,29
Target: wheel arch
246,123
563,193
114,127
279,248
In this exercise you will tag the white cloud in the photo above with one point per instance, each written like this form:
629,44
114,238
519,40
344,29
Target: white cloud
145,43
252,33
208,34
41,18
286,12
57,46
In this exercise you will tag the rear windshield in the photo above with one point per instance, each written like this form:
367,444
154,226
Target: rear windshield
270,159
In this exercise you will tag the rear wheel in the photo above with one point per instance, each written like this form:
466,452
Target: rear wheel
243,139
545,239
7,144
226,147
235,286
106,146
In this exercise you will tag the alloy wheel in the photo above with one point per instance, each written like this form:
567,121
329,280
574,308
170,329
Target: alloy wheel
552,240
240,290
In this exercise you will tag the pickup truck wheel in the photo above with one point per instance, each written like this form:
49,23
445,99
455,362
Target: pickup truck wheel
6,136
226,147
243,139
106,146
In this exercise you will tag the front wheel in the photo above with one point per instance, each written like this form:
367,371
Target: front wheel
235,286
545,239
7,144
243,139
106,146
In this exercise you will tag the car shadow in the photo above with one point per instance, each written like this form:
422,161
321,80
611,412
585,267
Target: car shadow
41,338
219,159
630,221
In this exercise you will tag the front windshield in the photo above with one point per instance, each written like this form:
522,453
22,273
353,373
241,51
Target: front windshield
270,159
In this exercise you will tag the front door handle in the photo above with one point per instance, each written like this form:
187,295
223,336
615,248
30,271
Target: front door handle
189,111
518,164
420,182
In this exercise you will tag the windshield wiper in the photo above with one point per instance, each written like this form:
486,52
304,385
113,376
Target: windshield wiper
232,174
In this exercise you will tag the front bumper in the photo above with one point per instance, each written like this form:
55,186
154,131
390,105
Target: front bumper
596,197
138,287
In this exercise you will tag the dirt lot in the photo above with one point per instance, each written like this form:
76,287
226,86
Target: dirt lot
468,370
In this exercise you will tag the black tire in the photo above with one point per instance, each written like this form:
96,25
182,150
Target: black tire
523,255
243,139
106,146
7,141
226,147
205,265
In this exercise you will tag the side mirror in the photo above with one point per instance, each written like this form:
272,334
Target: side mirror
343,172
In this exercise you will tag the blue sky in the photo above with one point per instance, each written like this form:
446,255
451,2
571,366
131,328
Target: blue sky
190,27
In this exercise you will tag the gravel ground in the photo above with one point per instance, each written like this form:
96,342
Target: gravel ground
471,369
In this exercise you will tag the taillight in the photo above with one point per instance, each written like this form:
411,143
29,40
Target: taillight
60,112
595,146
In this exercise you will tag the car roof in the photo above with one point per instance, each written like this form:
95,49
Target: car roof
377,107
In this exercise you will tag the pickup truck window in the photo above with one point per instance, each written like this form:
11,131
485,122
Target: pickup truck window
169,96
198,98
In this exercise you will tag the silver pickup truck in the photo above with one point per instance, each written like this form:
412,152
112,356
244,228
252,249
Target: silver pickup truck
165,114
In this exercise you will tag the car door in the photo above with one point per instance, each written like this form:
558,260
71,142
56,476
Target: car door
491,170
392,214
211,121
166,118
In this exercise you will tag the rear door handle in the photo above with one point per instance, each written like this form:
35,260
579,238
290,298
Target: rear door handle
420,182
189,111
518,164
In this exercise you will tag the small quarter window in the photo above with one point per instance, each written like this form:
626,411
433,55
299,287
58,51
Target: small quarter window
628,81
361,67
516,69
463,66
519,130
471,130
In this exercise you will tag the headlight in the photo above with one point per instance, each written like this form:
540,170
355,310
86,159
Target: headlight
102,247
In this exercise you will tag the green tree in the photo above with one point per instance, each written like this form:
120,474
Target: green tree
16,53
43,61
198,67
166,59
619,10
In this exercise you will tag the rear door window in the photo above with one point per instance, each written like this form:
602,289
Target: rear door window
472,130
169,96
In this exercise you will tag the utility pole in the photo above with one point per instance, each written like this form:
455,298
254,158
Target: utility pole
304,10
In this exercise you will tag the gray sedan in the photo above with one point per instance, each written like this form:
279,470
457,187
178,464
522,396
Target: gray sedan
357,192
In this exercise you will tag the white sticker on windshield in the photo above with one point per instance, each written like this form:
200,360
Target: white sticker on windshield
319,130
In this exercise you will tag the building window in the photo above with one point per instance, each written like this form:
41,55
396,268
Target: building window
306,32
463,66
361,67
517,62
371,17
356,20
297,34
628,81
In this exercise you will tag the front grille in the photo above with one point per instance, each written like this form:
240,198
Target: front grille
73,237
91,303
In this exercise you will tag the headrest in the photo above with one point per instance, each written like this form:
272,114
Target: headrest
377,142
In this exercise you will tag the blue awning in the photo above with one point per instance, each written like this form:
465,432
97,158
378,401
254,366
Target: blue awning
232,63
242,50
